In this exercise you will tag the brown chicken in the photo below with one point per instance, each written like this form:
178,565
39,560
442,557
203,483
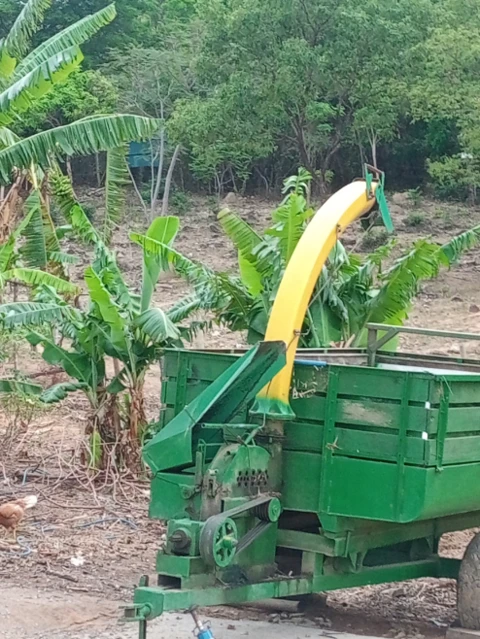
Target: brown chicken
12,513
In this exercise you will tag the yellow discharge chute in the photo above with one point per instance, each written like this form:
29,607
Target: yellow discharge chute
298,283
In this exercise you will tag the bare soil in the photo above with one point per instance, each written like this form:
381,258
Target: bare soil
82,549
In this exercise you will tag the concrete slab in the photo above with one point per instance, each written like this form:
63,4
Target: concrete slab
180,626
462,633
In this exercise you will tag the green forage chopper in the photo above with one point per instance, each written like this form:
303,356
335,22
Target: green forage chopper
283,472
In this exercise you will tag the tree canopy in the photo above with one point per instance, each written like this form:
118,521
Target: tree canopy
251,90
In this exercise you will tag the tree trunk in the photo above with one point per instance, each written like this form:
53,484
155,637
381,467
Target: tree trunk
158,178
319,185
361,152
97,170
373,145
305,158
69,169
168,179
157,181
139,195
136,417
264,180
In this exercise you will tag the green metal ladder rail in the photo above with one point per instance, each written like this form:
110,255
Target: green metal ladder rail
375,342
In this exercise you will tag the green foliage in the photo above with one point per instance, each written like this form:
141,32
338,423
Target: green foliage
20,95
251,89
34,245
414,196
95,450
72,36
16,42
20,403
452,177
150,80
89,211
116,323
415,219
181,202
82,94
374,238
136,22
146,192
243,302
10,341
278,75
454,249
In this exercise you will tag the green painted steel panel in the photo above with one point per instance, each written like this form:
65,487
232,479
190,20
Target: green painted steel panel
167,413
456,489
311,407
355,381
381,414
160,600
462,419
466,391
301,481
167,498
303,436
364,414
456,450
368,489
376,445
193,389
207,366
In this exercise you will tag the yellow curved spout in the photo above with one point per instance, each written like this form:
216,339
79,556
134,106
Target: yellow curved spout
298,283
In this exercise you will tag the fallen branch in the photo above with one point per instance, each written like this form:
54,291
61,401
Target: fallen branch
53,573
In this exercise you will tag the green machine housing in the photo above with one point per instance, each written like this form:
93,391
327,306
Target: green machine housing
381,458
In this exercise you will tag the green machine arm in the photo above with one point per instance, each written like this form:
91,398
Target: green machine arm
173,446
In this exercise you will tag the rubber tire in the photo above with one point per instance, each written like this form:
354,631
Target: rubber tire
468,586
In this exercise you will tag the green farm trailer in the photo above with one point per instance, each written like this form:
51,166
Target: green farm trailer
283,472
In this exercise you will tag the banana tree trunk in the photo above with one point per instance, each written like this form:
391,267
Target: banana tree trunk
136,416
114,431
8,208
137,420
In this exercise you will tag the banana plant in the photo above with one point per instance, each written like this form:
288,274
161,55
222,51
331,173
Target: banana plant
352,290
34,244
27,74
118,324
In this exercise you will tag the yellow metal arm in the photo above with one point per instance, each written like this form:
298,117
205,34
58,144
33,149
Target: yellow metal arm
298,283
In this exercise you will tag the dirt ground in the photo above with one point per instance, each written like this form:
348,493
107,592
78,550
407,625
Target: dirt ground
84,546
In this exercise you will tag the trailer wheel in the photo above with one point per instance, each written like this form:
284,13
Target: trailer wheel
468,587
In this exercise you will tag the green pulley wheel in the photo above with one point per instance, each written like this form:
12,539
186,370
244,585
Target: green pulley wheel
218,541
269,511
274,509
